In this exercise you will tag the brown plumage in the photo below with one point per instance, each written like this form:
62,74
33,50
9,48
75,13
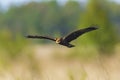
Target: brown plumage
65,41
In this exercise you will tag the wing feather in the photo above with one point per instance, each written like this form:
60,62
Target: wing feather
74,35
40,37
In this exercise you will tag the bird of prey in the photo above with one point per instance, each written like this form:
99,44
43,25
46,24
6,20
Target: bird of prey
65,41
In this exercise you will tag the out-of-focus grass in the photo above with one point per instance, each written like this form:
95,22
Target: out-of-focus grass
11,48
85,53
82,75
14,51
29,66
12,45
18,59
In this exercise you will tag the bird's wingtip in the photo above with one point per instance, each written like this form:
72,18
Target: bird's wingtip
27,36
96,27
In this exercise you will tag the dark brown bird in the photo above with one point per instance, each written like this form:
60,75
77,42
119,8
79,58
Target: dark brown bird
65,41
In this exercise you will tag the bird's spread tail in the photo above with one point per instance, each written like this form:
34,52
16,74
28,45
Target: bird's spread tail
70,46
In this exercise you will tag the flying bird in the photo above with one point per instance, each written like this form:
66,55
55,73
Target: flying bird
65,41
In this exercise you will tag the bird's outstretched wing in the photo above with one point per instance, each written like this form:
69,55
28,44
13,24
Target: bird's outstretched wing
74,35
40,37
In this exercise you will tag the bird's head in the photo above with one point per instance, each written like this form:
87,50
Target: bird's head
58,40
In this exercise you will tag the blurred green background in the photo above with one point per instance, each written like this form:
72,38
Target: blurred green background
53,19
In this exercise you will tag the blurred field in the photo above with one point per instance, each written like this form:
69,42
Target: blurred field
41,63
95,57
